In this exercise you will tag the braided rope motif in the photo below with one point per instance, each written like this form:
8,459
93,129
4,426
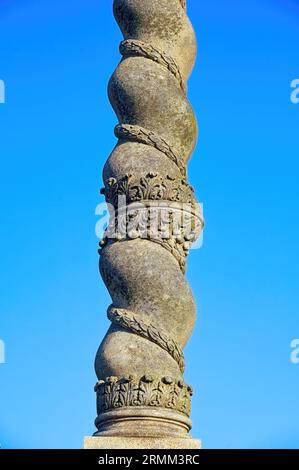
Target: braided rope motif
128,321
136,48
144,136
137,195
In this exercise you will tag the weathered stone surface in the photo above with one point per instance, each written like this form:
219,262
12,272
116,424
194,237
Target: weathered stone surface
140,443
142,399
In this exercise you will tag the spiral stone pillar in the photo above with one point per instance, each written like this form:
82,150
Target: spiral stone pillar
142,398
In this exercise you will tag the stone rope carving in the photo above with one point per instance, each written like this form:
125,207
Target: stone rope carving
154,220
128,321
144,136
138,48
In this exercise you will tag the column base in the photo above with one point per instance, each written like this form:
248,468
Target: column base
107,443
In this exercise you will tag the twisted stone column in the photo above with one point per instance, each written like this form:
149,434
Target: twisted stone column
141,392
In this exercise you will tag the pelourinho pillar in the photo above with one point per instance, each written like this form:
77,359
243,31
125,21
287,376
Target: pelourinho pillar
142,398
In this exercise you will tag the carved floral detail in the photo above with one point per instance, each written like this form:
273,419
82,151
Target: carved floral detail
166,392
173,225
152,187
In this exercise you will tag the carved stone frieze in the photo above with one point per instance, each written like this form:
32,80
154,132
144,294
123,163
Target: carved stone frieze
151,186
166,392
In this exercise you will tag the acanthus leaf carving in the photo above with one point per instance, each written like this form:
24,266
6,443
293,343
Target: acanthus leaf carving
149,391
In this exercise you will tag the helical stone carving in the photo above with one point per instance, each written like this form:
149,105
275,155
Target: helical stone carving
154,220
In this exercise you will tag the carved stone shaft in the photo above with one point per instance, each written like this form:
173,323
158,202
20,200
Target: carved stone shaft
154,219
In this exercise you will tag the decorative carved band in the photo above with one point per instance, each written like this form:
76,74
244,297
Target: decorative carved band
144,136
152,187
128,321
155,208
136,48
166,392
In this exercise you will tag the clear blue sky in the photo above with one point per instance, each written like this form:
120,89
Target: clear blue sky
56,131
